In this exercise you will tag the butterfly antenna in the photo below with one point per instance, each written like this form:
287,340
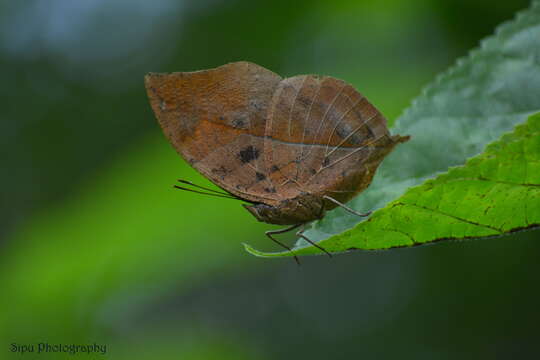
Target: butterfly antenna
202,187
205,193
208,191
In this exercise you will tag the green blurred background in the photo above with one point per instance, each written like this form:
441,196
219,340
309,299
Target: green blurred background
95,245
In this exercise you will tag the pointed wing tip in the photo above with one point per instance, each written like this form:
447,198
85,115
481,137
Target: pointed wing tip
150,79
153,75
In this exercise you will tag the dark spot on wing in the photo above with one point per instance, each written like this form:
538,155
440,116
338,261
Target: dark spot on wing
248,154
304,101
255,105
274,168
240,122
260,176
344,131
370,135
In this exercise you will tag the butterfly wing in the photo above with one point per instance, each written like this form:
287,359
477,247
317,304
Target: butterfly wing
216,119
324,138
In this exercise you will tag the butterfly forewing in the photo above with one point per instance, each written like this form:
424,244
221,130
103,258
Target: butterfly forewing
216,119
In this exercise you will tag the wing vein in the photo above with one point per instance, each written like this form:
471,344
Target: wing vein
306,121
351,134
293,103
338,94
340,121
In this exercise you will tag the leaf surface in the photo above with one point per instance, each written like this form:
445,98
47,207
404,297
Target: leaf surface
466,108
494,193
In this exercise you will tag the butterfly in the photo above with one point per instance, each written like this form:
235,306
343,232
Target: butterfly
291,148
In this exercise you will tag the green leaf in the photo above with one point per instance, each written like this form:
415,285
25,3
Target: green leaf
494,193
466,108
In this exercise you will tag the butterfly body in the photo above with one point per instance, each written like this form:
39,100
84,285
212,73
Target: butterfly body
284,145
299,210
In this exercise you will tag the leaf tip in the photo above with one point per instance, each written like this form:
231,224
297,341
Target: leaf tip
252,250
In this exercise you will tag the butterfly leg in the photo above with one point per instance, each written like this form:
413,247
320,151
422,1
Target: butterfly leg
281,231
346,207
300,234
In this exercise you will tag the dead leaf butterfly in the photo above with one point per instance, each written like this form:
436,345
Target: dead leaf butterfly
291,148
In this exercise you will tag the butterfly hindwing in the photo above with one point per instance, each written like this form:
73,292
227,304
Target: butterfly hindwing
323,137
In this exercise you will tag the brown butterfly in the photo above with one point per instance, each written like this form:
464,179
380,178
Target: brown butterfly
292,148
